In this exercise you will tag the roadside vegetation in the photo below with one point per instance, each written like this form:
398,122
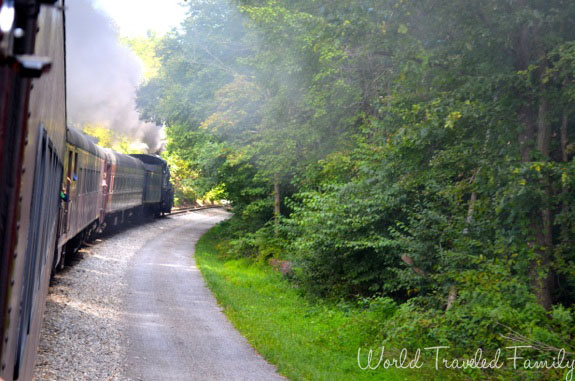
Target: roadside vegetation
306,339
413,154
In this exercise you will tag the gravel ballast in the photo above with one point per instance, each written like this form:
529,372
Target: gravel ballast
83,334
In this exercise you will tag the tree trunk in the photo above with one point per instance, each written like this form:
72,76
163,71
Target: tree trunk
565,159
277,203
564,136
543,128
541,273
451,298
536,129
526,136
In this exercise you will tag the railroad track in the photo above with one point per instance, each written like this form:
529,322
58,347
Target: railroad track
193,209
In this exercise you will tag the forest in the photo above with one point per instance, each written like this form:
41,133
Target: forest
415,157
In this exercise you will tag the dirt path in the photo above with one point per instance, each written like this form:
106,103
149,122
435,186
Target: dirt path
175,327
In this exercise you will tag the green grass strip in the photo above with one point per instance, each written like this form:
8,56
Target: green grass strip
305,340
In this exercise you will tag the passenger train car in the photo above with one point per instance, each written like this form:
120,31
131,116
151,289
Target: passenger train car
57,187
32,144
102,188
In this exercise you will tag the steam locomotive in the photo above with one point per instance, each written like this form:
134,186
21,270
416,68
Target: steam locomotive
57,187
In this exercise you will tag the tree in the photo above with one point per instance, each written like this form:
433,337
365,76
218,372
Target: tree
418,149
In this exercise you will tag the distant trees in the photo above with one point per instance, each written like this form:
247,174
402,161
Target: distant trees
108,138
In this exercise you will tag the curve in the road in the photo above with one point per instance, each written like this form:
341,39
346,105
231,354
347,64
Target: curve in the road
175,327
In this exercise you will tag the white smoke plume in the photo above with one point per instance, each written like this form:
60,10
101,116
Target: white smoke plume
103,76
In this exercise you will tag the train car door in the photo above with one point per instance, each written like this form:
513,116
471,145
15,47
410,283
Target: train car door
106,183
68,189
65,194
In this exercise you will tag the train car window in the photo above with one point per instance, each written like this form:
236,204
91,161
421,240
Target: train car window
81,187
69,172
43,221
75,173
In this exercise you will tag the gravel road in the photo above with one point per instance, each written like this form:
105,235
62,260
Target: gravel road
135,307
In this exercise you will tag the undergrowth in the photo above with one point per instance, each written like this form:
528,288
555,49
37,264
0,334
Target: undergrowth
307,339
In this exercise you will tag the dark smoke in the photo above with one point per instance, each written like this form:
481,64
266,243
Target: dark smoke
103,76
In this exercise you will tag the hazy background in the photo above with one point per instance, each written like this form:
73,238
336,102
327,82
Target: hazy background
103,75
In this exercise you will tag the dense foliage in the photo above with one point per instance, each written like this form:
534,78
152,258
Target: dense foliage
417,150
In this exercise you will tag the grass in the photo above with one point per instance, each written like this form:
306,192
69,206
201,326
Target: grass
306,340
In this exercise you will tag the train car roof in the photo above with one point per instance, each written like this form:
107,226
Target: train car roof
125,160
88,143
150,159
84,141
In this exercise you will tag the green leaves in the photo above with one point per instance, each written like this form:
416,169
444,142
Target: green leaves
402,29
420,147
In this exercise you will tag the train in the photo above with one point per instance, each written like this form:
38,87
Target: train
58,188
103,188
